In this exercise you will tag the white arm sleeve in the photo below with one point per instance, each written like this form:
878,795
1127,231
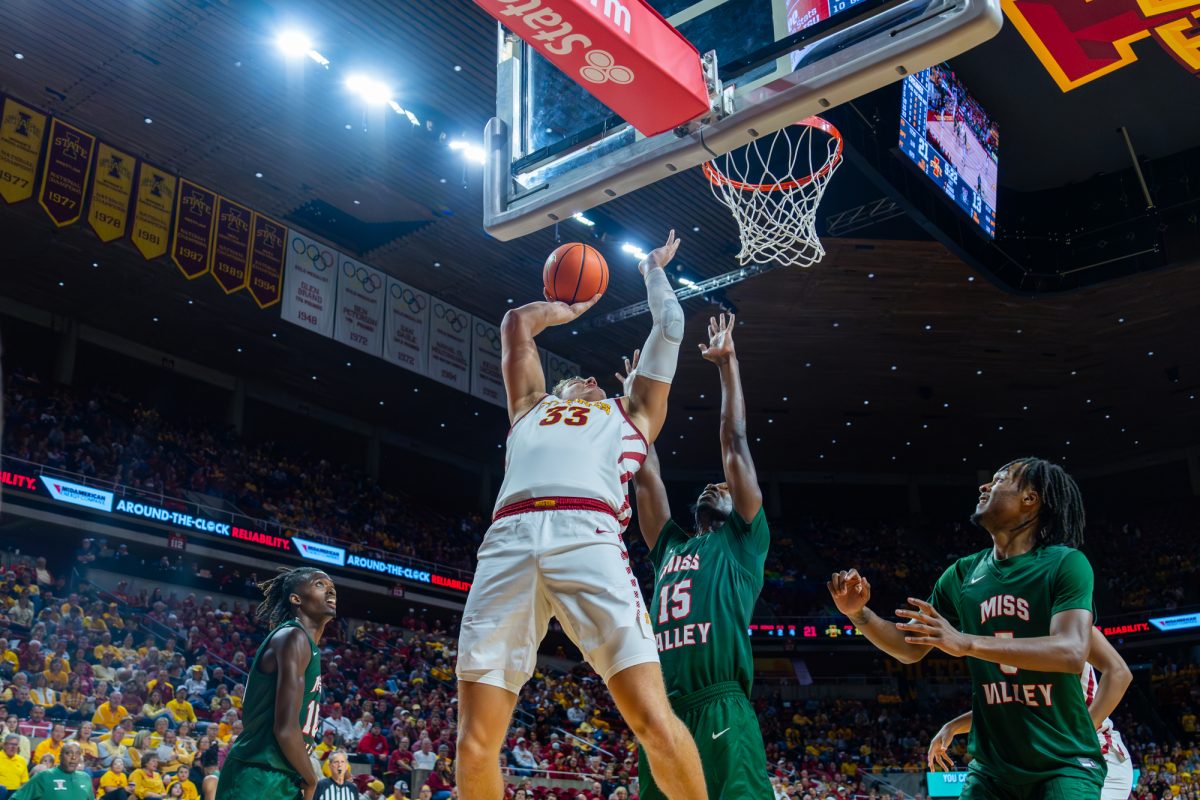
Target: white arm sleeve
660,353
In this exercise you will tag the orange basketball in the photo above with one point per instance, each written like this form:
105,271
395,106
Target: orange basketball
574,273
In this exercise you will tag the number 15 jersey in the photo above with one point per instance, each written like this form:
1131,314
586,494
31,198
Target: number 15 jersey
573,448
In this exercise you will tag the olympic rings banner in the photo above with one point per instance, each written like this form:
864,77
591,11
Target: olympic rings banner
450,331
487,381
406,327
309,284
557,368
359,318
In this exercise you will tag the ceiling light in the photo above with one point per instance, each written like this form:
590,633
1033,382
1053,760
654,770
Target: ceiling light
358,202
60,283
19,56
437,264
274,335
701,397
785,398
894,368
686,281
928,327
293,43
154,319
582,220
371,91
866,402
633,250
147,120
189,302
416,390
239,349
871,276
471,152
95,264
978,372
837,324
970,279
258,174
457,68
510,301
347,363
380,402
1150,354
314,377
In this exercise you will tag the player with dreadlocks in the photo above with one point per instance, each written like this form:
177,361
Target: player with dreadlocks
1021,612
270,759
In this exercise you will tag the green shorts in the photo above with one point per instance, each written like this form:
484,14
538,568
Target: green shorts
239,781
1063,787
726,732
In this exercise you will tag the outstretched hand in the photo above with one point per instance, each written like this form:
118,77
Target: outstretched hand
928,627
937,757
659,257
720,340
626,379
850,591
560,313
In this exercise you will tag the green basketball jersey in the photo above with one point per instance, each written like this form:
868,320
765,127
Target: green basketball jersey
1028,726
257,745
705,588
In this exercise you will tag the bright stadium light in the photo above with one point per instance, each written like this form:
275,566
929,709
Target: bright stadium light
581,219
370,90
686,281
634,250
294,44
471,152
404,112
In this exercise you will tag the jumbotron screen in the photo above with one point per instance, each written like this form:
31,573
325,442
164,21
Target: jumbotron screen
953,141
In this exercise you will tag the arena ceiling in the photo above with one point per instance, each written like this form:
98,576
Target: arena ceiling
891,347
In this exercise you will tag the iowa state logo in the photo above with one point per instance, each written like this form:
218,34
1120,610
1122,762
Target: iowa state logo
1078,41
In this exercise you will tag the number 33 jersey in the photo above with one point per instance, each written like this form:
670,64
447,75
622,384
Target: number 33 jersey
573,448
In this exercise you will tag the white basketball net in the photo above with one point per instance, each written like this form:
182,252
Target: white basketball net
773,187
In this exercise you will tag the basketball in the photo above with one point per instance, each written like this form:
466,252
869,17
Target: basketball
574,273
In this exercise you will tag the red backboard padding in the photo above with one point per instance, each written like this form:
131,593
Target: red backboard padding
622,51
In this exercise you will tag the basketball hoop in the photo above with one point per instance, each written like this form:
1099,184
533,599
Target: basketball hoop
777,215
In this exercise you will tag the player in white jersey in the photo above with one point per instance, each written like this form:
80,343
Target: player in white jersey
554,548
1102,696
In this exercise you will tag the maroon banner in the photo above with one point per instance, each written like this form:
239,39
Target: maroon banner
267,249
231,245
64,177
194,223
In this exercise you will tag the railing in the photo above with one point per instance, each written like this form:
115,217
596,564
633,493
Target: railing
230,517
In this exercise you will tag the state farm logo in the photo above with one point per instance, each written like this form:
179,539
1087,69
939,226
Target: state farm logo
603,68
556,37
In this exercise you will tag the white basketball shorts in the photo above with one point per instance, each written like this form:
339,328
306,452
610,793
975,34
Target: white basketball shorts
1119,783
570,564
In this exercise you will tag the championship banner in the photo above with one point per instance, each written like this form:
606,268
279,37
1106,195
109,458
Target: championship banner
406,327
194,223
557,368
64,176
152,211
231,245
450,346
360,306
21,130
487,381
112,186
310,280
268,241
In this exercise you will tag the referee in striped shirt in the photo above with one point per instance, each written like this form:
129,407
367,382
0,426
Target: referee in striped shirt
339,787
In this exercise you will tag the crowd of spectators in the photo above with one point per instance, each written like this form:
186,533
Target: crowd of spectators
106,436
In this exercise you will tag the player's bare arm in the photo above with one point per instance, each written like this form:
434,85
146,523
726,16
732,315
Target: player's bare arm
524,381
1115,678
740,474
292,654
851,592
653,508
937,756
646,402
1064,650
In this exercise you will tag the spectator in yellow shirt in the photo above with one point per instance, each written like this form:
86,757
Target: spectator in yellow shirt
109,714
146,780
181,710
14,770
8,659
57,674
52,745
181,778
114,784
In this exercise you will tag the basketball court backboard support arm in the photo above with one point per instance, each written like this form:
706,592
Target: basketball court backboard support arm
861,56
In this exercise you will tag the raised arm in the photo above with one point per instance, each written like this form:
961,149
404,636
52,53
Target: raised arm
524,380
1115,678
291,660
653,509
735,447
851,592
647,397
